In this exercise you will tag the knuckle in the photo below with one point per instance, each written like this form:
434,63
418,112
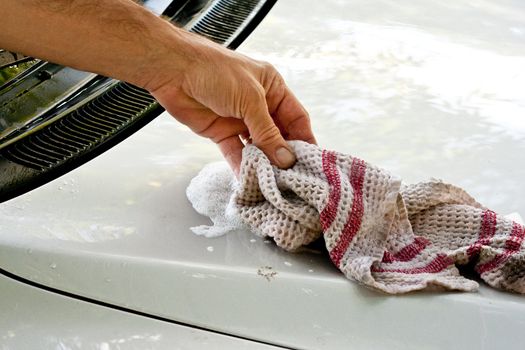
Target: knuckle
265,65
276,87
256,90
267,135
251,99
269,73
278,81
250,87
270,69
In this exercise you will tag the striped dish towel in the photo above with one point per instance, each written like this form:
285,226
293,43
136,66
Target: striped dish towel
384,234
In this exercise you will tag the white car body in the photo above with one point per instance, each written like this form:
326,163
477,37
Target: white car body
424,89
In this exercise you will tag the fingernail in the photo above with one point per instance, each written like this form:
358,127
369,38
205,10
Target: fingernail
285,158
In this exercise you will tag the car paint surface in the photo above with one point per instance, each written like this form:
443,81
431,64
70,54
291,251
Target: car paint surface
424,89
33,318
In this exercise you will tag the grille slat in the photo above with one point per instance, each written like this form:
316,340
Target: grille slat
114,111
55,145
117,114
222,24
124,112
209,32
93,124
106,122
41,155
87,124
29,157
57,155
82,139
55,133
74,130
25,161
131,102
134,97
122,107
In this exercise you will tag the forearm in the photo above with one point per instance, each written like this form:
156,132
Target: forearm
116,38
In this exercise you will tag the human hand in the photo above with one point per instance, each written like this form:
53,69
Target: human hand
226,97
218,93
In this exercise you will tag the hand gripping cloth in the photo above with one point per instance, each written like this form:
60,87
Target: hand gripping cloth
386,235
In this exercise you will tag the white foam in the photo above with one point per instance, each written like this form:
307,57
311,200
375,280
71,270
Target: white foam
210,194
515,217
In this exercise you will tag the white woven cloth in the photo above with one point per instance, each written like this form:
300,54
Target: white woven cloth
386,235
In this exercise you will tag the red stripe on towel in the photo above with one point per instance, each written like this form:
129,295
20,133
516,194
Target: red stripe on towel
440,263
486,232
512,246
329,212
408,253
353,223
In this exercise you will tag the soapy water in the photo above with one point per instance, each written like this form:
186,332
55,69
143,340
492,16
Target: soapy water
516,217
210,194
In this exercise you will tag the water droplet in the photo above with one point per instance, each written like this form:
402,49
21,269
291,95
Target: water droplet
53,266
267,241
60,188
288,263
210,249
253,240
107,280
310,270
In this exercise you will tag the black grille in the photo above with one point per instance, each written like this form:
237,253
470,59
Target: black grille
82,129
224,18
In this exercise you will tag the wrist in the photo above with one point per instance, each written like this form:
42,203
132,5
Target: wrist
172,53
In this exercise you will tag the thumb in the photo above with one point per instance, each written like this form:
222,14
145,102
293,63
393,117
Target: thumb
266,135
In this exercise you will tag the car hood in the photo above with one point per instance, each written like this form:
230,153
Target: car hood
117,229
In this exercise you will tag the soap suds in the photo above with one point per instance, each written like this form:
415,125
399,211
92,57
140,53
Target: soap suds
515,217
210,193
